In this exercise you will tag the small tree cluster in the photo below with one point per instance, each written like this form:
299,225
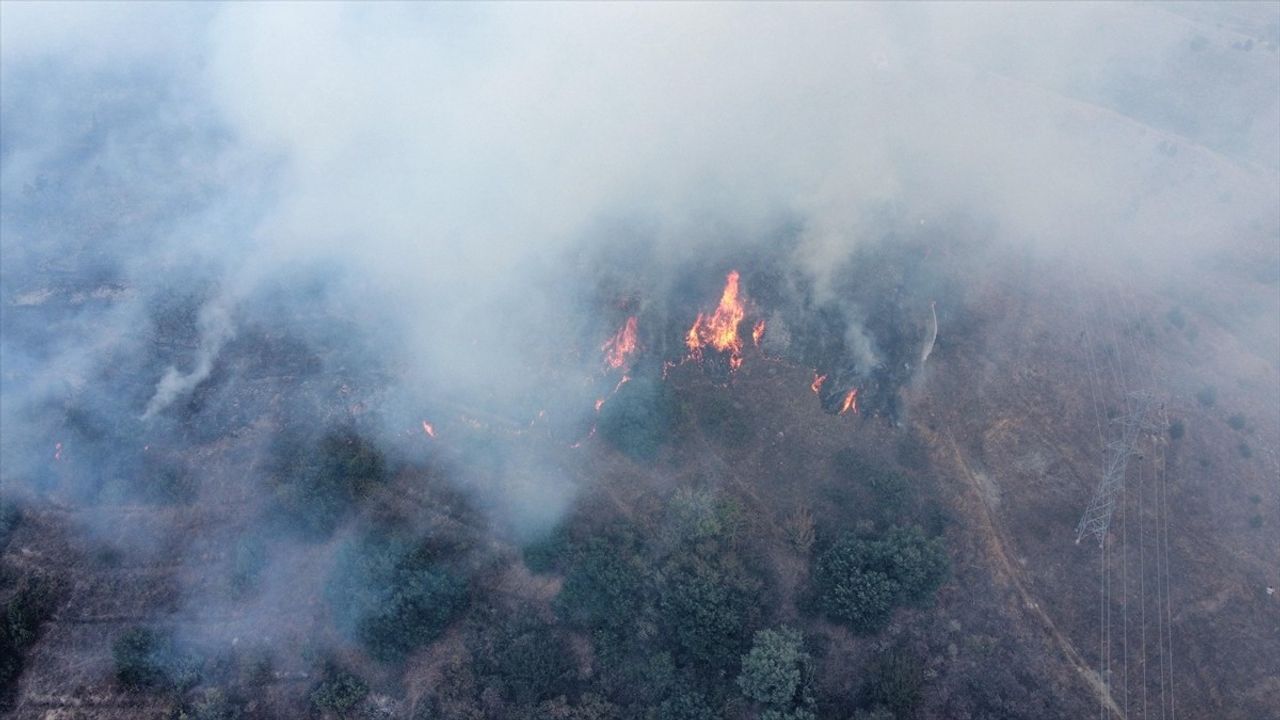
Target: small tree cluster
860,581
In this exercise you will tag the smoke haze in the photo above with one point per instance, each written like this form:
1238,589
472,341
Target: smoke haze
376,215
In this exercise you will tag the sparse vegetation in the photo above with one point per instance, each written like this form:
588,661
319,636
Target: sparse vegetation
1236,421
1177,430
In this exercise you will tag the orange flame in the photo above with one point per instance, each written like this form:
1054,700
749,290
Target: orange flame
429,429
620,346
757,332
816,385
850,402
720,329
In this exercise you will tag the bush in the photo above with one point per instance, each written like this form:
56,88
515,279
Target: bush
546,554
707,611
316,486
10,518
24,613
394,595
1177,430
1207,396
639,418
894,682
212,704
147,659
605,589
860,581
889,490
338,690
524,658
1236,422
687,705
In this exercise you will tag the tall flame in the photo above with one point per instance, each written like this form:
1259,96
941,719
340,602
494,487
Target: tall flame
619,347
850,402
720,329
757,332
816,385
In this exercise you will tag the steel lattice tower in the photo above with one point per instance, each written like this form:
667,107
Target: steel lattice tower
1097,517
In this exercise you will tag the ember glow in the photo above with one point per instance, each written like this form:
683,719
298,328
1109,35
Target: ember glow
816,385
429,429
57,451
720,329
850,402
619,347
757,332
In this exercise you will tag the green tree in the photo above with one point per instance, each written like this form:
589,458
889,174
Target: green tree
394,594
775,671
859,581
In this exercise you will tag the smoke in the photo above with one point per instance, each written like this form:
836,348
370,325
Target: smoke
215,329
409,210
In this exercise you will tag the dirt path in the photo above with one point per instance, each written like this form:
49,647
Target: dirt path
1003,567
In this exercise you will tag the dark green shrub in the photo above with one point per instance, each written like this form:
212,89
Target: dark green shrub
639,418
605,589
317,485
894,682
687,704
859,581
525,658
147,659
1207,396
1177,430
729,426
1236,422
708,612
394,595
24,614
547,554
338,690
1244,450
10,518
